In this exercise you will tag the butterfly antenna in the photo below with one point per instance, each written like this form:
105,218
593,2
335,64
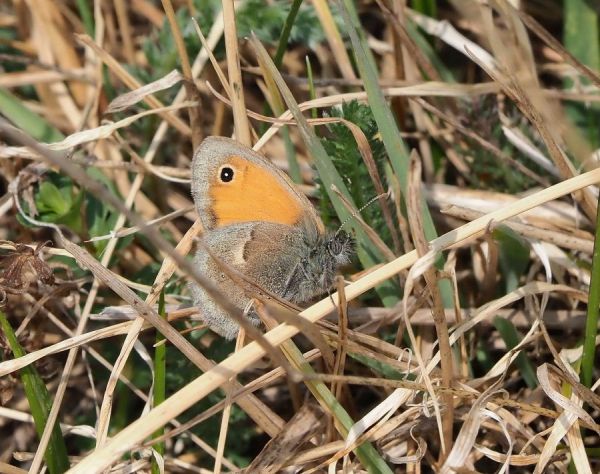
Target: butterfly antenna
355,214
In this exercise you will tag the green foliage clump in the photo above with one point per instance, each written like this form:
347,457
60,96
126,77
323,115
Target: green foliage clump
266,20
487,171
59,201
160,48
341,146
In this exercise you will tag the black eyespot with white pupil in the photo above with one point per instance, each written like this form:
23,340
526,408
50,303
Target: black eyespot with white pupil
226,174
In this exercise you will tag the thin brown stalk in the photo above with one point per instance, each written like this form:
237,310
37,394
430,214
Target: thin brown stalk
191,90
555,45
406,41
125,30
240,119
340,355
414,205
450,270
336,43
239,343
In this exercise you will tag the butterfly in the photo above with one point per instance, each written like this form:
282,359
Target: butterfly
259,223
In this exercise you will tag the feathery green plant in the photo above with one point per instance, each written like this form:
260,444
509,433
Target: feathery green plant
342,148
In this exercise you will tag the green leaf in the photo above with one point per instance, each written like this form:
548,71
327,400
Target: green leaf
15,111
269,21
342,148
58,202
581,35
50,199
426,7
40,404
87,16
483,356
285,32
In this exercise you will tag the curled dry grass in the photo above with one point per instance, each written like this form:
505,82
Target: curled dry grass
462,397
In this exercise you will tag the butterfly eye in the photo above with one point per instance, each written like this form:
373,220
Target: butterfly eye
226,174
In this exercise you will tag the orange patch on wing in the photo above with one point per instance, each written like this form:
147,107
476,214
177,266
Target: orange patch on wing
254,194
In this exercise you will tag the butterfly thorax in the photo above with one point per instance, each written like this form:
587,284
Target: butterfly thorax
294,262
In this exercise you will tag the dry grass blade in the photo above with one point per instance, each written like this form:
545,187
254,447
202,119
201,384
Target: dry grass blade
414,206
192,92
105,131
242,126
515,75
485,144
539,31
127,100
560,239
465,440
334,38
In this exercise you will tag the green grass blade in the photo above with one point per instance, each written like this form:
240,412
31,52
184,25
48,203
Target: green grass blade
40,404
290,152
368,252
14,110
591,325
87,16
311,86
285,33
278,108
160,378
350,9
329,175
393,142
582,39
582,32
512,339
386,122
367,454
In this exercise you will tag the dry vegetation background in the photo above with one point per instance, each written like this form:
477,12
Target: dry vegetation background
475,123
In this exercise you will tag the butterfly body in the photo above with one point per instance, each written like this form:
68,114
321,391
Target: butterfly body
257,222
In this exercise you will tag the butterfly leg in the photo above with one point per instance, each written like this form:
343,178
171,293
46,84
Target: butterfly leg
248,308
